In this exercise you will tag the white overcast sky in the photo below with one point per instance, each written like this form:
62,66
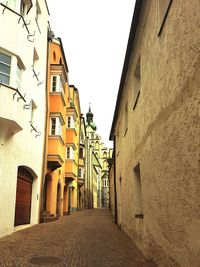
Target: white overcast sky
94,34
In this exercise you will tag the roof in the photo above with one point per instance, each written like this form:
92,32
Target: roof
135,19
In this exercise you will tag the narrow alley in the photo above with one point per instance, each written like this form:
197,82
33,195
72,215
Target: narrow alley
86,238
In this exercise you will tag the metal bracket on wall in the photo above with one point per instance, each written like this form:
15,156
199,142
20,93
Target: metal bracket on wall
30,35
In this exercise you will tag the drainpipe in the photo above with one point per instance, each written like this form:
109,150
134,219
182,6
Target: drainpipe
115,189
44,164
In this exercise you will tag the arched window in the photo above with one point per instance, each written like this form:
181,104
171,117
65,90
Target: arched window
105,164
104,155
92,136
54,55
97,145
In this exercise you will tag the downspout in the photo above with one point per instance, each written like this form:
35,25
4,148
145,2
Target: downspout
44,164
115,188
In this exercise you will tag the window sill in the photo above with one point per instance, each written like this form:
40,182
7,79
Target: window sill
57,137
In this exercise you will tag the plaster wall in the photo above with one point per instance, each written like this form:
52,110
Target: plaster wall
163,136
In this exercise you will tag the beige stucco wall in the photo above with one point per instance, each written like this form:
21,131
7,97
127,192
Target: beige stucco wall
163,136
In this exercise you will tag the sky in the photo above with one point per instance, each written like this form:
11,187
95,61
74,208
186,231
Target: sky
94,34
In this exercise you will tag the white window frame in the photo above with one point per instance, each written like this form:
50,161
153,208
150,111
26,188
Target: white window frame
70,122
58,86
69,150
58,126
9,65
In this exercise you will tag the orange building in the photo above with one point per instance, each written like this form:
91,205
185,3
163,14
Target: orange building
55,188
72,148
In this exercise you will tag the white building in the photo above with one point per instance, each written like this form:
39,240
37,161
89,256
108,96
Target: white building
97,166
23,53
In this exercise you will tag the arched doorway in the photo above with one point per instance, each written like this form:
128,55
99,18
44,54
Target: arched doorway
58,204
23,196
46,192
65,200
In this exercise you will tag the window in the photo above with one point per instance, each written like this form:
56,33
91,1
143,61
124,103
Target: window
5,66
53,126
70,122
54,55
92,136
105,164
163,9
136,84
18,77
70,152
81,152
79,172
138,192
97,145
56,84
56,127
104,155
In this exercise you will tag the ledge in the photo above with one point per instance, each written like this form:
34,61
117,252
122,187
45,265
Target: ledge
139,216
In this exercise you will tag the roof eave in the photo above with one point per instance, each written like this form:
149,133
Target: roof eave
134,24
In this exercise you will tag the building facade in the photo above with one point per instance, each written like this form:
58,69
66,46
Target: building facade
97,166
72,159
23,110
55,190
156,129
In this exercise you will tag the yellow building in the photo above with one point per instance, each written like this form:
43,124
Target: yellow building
72,148
55,191
82,165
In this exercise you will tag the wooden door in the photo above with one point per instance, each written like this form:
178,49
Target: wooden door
23,201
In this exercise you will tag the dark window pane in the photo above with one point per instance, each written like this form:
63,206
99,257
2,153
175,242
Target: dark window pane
5,59
4,79
5,68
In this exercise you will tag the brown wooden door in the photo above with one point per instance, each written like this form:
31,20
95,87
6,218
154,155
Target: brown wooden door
23,201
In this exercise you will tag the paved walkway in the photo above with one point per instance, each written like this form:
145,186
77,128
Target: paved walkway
86,238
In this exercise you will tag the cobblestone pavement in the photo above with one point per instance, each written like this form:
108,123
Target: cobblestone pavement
86,238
